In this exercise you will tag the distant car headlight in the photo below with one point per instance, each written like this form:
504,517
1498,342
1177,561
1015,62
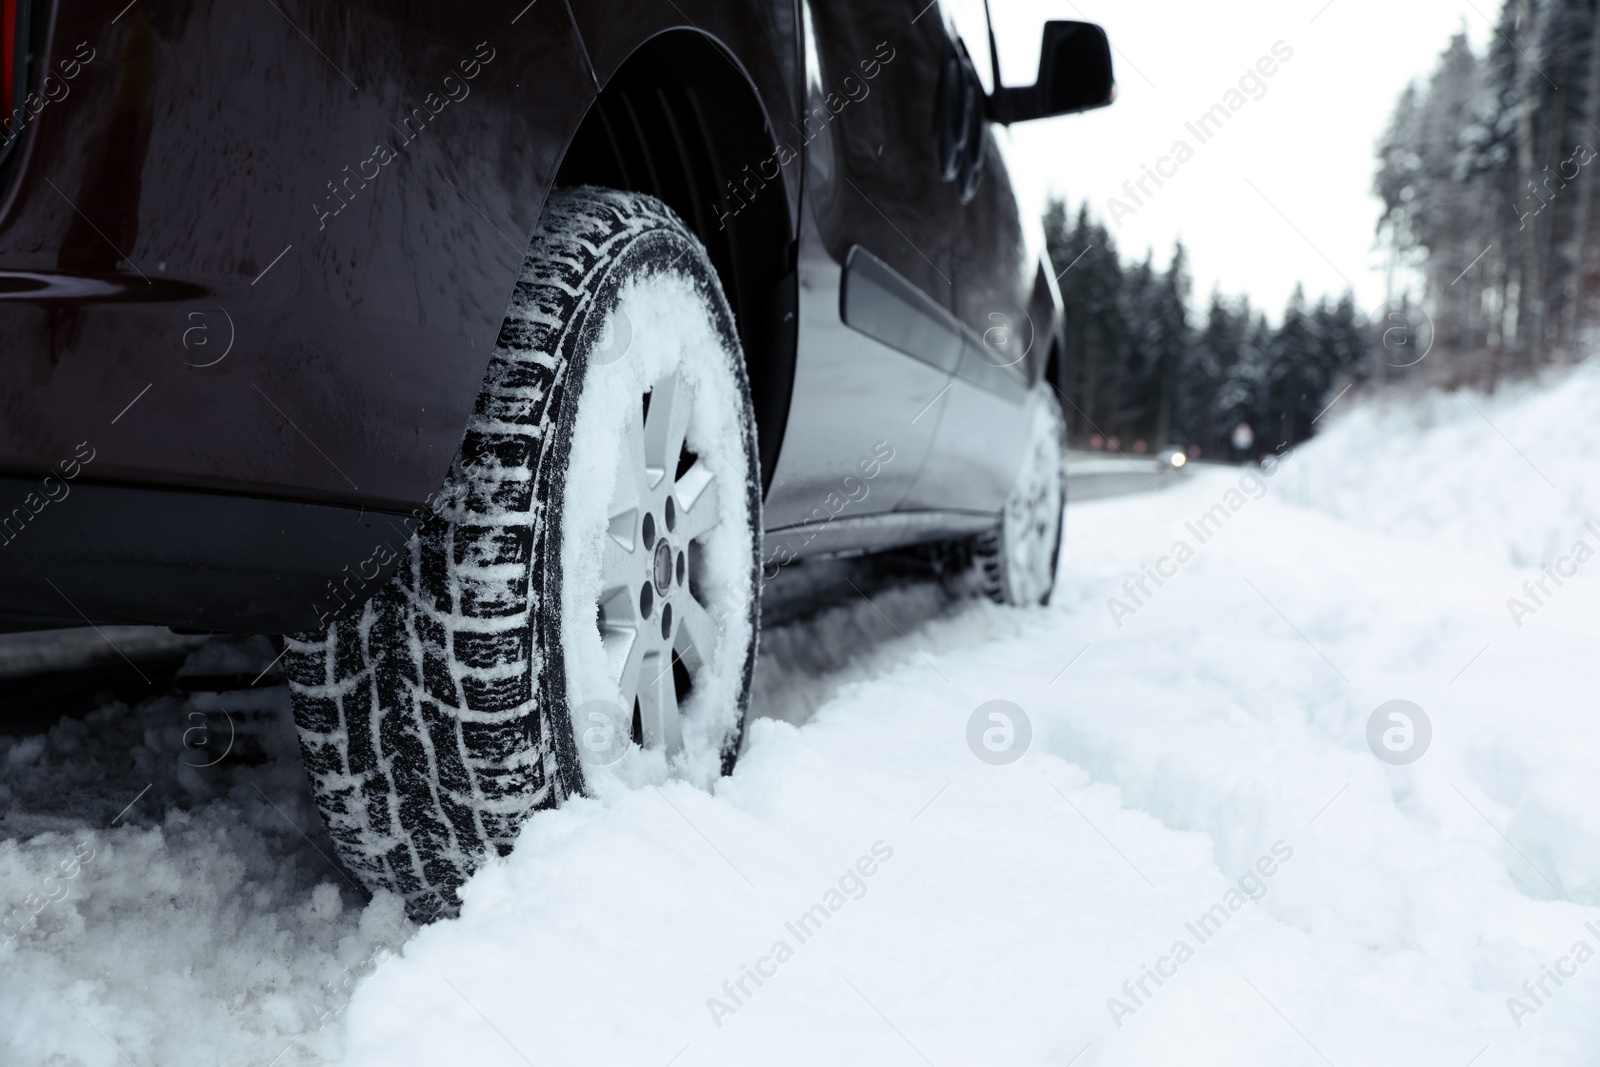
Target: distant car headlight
1178,459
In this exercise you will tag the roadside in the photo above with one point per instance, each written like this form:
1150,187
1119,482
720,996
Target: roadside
1098,475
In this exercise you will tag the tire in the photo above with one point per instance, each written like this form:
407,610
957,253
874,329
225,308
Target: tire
1016,561
567,614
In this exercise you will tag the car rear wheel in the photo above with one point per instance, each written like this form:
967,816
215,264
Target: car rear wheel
580,605
1016,562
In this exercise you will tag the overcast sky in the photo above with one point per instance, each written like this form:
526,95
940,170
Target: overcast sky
1283,193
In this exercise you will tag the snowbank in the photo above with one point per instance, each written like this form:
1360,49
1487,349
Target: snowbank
1515,475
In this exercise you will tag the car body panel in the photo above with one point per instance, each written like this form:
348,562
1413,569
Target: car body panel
1006,300
211,145
176,557
261,253
915,370
866,66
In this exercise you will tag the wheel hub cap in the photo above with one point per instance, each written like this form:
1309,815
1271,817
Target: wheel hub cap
663,567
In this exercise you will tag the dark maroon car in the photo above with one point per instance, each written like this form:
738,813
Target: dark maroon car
496,353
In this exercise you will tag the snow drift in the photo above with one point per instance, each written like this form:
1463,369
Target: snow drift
1199,856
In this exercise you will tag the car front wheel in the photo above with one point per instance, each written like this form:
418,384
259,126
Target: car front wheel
580,604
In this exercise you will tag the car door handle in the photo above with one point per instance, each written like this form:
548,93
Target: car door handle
878,301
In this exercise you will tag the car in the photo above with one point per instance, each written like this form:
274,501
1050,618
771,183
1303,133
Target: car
497,353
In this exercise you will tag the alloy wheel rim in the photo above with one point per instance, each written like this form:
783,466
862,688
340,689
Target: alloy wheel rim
1033,517
656,629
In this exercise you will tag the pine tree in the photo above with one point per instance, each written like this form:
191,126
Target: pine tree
1484,175
1085,256
1207,416
1137,369
1292,375
1138,389
1246,392
1173,345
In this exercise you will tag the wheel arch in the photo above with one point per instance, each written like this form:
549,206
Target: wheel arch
681,120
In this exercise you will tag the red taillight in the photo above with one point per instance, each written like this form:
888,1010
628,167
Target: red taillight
8,53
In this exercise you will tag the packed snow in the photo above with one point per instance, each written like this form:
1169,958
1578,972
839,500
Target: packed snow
1197,855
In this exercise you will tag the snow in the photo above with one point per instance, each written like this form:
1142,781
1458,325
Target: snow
666,335
1207,757
184,923
1511,476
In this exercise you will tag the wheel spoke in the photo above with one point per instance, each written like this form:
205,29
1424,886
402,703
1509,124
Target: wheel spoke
630,662
631,479
619,634
696,494
619,552
658,703
665,428
696,641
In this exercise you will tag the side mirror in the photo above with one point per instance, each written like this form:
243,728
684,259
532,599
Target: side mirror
1074,75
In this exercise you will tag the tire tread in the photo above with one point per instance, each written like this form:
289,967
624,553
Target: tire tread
423,773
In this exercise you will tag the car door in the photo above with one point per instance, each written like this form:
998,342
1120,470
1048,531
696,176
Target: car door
876,293
1004,302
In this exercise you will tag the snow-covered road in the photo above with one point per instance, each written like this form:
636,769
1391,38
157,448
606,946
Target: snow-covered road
1197,858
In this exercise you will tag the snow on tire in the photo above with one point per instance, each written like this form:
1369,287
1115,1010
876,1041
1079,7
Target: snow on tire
580,607
1016,562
